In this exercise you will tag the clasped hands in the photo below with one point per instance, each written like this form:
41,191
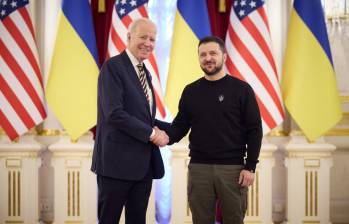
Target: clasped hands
160,137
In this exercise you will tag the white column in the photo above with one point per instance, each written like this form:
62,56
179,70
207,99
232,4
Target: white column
260,193
75,188
19,166
180,160
308,180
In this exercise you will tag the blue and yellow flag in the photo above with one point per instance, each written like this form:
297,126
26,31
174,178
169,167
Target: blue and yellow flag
71,90
191,24
308,82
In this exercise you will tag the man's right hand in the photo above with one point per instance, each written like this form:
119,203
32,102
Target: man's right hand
160,138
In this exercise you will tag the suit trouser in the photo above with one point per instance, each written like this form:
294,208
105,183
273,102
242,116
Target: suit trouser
114,194
208,182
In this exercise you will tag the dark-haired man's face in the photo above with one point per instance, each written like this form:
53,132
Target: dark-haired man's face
211,58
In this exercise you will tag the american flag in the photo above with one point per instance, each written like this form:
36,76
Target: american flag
124,12
22,104
250,58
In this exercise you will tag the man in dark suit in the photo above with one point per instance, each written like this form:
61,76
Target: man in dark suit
126,156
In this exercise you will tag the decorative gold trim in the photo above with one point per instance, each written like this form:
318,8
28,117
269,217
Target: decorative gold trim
74,140
311,222
306,193
248,202
78,192
9,193
278,133
73,222
13,222
188,207
338,132
252,200
49,132
19,192
316,193
344,99
14,192
311,193
73,191
257,193
68,191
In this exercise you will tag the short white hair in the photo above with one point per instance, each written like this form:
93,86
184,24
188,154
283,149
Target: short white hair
132,27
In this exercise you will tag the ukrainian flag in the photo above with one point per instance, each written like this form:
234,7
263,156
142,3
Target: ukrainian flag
191,24
308,82
72,86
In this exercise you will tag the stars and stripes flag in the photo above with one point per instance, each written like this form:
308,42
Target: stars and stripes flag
22,93
250,58
124,12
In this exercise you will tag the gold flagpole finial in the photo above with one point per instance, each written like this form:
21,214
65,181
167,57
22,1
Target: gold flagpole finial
222,6
101,6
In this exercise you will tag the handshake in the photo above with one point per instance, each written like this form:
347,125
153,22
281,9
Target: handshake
160,138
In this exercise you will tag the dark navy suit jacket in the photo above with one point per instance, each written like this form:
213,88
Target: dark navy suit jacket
122,148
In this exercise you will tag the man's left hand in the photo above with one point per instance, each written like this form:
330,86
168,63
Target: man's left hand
246,178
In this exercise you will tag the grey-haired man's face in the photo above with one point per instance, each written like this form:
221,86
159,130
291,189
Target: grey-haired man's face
141,40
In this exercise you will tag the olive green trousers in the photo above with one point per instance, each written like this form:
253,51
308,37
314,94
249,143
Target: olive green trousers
206,184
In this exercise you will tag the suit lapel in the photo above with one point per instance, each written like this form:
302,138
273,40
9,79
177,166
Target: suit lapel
133,74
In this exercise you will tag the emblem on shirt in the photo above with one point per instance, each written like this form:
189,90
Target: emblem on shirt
220,98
